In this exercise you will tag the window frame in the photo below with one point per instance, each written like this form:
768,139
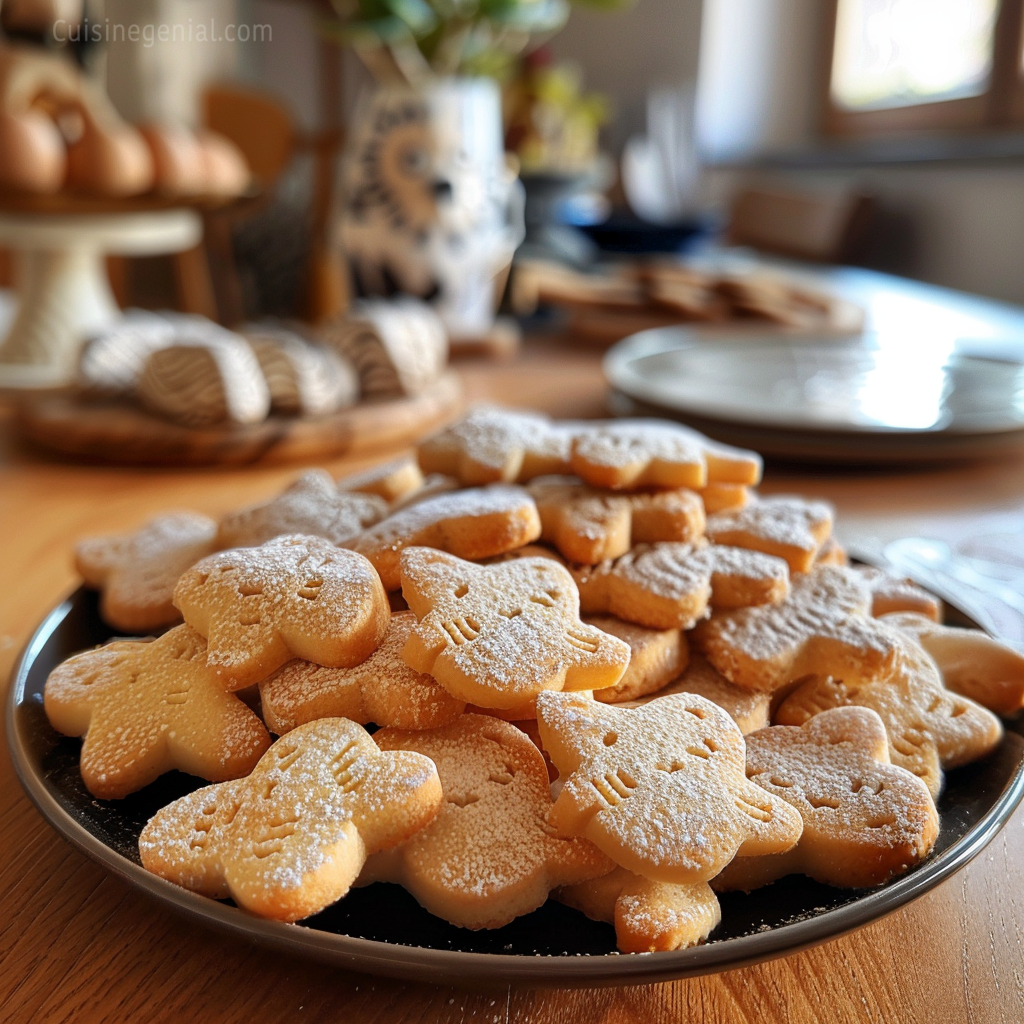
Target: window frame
1001,105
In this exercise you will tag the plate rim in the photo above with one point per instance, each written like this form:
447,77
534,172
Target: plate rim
417,963
617,369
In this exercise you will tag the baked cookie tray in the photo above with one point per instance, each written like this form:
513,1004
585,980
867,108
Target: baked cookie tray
381,929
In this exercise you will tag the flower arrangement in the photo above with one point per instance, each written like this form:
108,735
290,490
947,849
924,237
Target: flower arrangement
412,41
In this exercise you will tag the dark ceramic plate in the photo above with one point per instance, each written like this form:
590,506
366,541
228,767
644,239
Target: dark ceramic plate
382,930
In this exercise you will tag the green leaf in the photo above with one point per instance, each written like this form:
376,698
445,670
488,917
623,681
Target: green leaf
417,14
534,15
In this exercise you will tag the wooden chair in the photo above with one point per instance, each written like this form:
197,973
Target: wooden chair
265,133
824,229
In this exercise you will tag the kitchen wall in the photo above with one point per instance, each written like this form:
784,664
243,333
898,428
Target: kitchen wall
626,53
956,224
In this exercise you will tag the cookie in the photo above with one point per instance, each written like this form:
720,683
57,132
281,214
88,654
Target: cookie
788,527
313,505
929,728
303,379
148,707
136,572
293,597
521,714
865,820
749,709
398,346
671,586
689,299
493,445
627,454
474,523
971,663
489,856
291,838
831,553
391,481
719,497
648,916
823,627
661,788
111,362
382,690
588,525
893,594
205,383
656,657
497,635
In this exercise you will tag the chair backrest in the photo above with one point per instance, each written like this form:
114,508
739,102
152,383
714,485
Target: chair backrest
826,229
258,124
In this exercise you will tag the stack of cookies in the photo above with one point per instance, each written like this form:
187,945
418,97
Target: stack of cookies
193,372
601,668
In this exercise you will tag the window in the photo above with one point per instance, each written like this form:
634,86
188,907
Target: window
901,65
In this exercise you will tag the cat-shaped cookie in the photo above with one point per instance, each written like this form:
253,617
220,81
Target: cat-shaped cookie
497,635
490,854
865,820
929,727
293,597
661,788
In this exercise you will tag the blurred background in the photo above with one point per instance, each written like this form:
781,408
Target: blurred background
914,104
748,85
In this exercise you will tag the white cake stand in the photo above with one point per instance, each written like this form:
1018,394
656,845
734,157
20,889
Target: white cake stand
63,291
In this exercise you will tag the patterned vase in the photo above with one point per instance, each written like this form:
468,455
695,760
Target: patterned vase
430,207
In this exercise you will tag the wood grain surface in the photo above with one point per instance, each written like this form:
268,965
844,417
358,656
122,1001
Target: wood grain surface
77,944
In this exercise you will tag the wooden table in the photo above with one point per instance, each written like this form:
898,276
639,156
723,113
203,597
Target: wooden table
79,945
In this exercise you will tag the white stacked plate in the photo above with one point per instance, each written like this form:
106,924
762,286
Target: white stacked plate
862,398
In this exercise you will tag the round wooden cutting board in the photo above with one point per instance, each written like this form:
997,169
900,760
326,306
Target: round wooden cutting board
122,433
